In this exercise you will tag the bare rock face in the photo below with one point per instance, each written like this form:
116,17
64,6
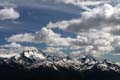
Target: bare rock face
32,65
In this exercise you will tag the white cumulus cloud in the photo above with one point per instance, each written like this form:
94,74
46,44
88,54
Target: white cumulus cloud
97,32
12,45
45,35
27,37
102,16
8,13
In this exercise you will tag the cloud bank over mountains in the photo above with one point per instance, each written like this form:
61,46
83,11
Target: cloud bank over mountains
97,30
79,48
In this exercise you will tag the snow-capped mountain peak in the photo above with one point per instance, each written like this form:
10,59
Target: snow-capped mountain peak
34,54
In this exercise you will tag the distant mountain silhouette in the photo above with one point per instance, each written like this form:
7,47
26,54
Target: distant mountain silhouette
65,68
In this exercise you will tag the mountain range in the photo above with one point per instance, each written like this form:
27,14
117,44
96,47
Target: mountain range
37,65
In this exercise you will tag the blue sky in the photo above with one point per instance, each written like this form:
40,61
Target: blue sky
62,26
31,20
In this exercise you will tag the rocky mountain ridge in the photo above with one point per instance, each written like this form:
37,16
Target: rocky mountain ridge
34,65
